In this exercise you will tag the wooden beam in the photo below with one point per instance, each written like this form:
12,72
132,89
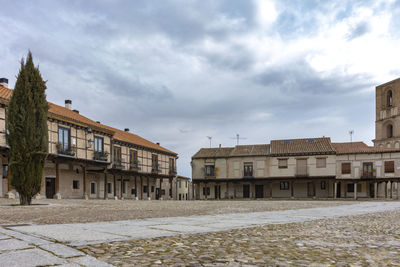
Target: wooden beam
148,187
115,186
85,195
135,186
121,187
57,178
105,185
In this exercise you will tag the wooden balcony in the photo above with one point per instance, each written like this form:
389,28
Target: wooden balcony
155,169
101,156
117,164
134,166
368,174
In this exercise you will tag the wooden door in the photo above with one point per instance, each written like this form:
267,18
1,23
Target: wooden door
50,187
246,191
259,191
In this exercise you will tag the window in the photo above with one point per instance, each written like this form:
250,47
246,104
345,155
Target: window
321,162
133,158
350,188
248,169
389,98
145,189
206,191
98,144
284,185
133,191
389,166
154,162
124,187
323,185
117,154
64,138
180,183
92,188
109,187
389,131
5,171
282,163
172,165
186,184
210,170
346,168
75,184
152,188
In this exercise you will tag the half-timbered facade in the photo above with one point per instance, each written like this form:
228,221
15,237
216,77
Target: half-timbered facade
88,159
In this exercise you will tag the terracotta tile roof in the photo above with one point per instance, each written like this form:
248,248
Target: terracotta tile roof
221,152
302,146
359,147
134,139
62,113
251,150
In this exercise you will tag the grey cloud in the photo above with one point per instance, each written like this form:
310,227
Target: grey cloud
359,30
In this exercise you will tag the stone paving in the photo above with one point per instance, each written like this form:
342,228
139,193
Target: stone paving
299,237
51,211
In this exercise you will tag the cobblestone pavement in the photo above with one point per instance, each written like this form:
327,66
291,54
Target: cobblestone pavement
362,240
79,211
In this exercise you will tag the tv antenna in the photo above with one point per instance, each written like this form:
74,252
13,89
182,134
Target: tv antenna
351,132
209,138
238,138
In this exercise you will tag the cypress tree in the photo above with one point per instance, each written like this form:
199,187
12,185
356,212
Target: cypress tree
27,131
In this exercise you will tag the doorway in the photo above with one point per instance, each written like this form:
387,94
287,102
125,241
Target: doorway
50,187
339,190
259,191
157,193
246,191
371,190
310,189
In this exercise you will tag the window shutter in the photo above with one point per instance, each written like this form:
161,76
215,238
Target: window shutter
321,162
346,168
389,166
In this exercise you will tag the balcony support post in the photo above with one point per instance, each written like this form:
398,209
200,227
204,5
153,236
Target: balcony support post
57,195
375,190
141,187
292,189
160,191
105,185
355,190
121,188
335,185
148,188
391,190
398,190
135,187
85,194
115,186
385,183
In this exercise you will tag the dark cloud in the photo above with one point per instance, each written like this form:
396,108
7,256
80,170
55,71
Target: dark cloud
178,71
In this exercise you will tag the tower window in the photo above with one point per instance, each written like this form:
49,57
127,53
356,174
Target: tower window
389,98
389,131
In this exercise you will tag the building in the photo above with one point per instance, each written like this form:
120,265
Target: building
310,167
88,159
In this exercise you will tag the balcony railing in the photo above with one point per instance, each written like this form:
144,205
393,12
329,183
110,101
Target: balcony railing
368,174
65,151
102,156
248,175
134,165
117,164
172,171
155,169
301,171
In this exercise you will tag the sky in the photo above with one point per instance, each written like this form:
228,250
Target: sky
176,72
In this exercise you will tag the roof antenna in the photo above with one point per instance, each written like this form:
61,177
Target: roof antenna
238,138
209,138
351,132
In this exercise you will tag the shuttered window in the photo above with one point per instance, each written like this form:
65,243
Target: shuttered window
389,166
346,168
282,163
321,162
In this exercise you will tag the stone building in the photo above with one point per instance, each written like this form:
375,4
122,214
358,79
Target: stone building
308,168
88,159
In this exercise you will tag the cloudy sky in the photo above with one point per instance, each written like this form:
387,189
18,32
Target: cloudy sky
175,72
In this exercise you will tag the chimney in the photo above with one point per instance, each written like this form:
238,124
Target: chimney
75,110
126,129
158,143
4,82
68,104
